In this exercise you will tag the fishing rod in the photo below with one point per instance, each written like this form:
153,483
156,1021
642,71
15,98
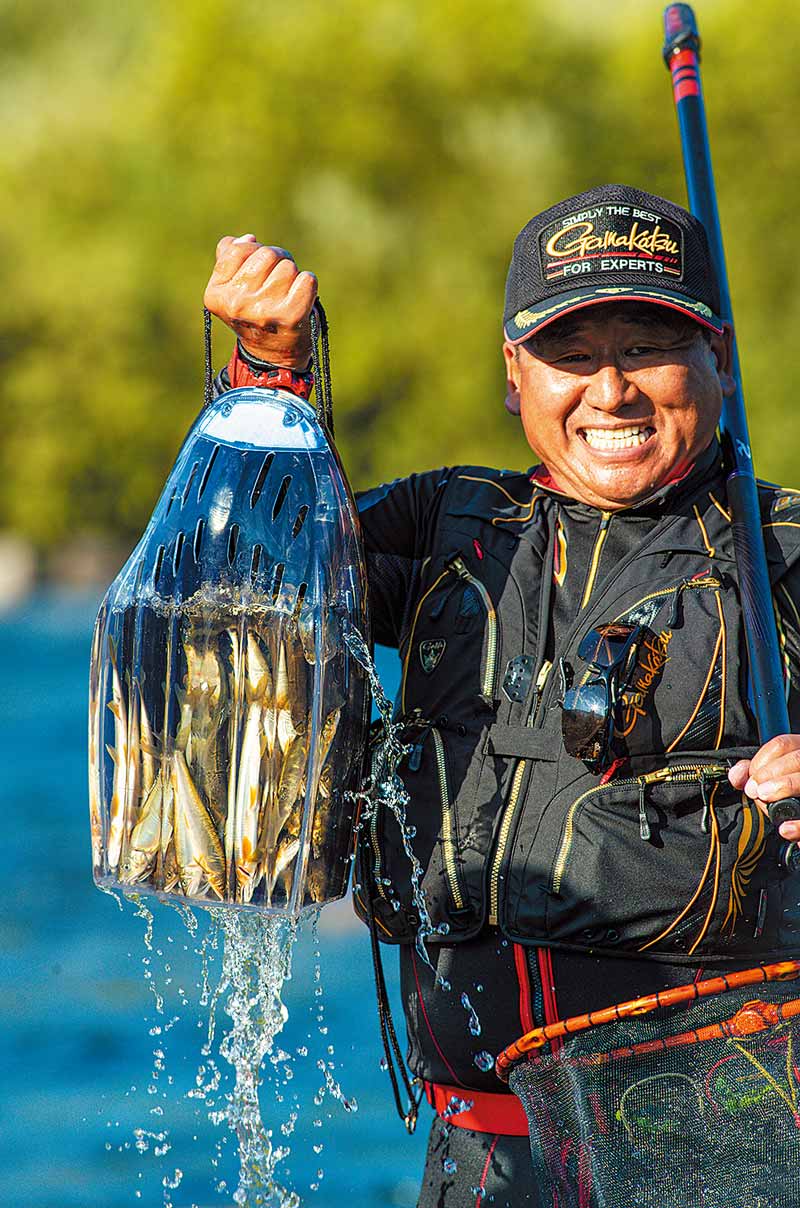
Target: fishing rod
682,57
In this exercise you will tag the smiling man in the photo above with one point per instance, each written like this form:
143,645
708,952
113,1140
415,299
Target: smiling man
584,781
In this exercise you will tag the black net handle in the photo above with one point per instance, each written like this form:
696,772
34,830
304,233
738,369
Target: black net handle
320,359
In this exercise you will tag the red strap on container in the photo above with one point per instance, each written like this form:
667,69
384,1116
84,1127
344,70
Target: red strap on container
489,1113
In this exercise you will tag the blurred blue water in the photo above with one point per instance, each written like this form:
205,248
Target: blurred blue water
75,1009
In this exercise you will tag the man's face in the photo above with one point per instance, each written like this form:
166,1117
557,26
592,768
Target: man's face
618,399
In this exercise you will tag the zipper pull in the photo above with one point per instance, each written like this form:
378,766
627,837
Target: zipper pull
706,814
415,755
657,777
541,680
458,565
644,825
674,615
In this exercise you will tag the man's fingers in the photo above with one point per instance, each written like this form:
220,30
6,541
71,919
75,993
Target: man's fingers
301,297
739,774
231,255
776,771
261,263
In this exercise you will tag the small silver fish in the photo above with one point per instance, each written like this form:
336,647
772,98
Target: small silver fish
119,756
201,861
145,840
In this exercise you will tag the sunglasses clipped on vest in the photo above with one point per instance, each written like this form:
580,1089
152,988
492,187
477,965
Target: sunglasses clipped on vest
591,697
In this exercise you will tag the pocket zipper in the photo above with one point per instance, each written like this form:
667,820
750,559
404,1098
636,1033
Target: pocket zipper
680,773
489,676
448,838
511,804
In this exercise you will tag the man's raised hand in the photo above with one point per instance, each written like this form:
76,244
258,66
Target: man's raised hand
260,293
773,774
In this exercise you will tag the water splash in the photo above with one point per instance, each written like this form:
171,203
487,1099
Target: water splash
256,961
388,791
484,1061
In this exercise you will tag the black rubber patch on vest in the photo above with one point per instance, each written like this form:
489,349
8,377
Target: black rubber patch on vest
430,653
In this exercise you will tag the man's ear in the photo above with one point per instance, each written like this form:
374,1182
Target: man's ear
510,357
722,348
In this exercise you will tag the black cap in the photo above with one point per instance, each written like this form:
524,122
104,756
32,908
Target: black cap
612,243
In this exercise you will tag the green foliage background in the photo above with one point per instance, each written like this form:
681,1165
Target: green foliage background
396,146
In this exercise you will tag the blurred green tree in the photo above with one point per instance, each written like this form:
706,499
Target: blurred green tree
396,147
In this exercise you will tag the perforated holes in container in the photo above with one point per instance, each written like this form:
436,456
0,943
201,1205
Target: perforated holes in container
176,557
277,580
207,472
280,498
198,539
189,482
258,485
233,541
300,520
301,595
159,564
255,562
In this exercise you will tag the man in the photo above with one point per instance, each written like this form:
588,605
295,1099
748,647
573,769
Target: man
574,691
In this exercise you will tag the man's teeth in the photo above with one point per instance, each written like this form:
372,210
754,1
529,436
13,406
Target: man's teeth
619,438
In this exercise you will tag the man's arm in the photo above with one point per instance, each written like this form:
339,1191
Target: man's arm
259,292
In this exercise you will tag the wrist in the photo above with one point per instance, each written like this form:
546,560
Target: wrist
260,364
245,369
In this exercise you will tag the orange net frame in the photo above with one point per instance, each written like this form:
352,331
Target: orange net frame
751,1018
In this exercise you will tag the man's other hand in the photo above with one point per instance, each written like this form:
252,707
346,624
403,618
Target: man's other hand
260,293
772,775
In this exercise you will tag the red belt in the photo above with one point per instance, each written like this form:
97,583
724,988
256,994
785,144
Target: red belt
487,1112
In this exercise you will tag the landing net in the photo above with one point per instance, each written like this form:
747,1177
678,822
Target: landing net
683,1105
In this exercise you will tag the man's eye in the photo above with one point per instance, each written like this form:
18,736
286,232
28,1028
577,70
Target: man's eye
572,358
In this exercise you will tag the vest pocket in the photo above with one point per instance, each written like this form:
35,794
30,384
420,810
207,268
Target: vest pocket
664,863
453,647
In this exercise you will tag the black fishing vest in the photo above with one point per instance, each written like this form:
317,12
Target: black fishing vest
664,859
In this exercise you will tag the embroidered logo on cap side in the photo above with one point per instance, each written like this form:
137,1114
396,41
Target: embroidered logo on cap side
611,239
430,653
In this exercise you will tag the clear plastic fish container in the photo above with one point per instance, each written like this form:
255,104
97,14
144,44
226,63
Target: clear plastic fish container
228,717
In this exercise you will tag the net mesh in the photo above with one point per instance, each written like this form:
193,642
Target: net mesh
643,1113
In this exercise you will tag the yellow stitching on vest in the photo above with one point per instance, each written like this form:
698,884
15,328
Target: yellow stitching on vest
717,848
719,507
411,636
490,482
787,671
746,862
518,519
706,542
701,697
781,524
724,632
791,603
688,905
561,544
596,552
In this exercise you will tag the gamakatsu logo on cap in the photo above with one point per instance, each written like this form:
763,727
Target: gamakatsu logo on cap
611,239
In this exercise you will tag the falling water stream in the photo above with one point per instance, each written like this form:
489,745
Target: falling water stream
256,962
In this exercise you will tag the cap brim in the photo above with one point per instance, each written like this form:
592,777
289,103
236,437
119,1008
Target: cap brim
525,322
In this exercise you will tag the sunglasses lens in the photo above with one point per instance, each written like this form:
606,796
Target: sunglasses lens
585,720
605,645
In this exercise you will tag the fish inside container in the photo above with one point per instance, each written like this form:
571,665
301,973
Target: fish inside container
228,718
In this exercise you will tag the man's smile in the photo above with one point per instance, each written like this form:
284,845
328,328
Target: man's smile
616,439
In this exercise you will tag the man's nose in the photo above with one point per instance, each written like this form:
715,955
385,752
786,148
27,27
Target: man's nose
609,388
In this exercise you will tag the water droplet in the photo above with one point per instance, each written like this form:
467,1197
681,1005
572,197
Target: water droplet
484,1061
449,1165
474,1022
